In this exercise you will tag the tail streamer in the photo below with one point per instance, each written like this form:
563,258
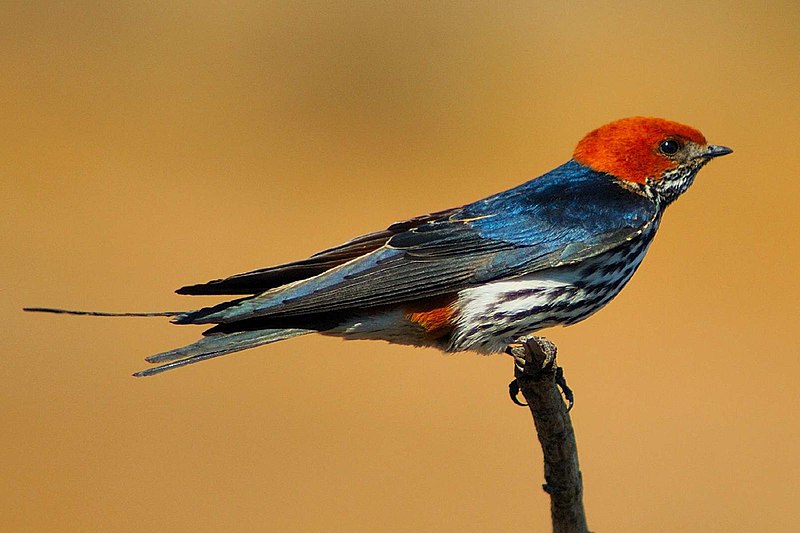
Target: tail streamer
96,313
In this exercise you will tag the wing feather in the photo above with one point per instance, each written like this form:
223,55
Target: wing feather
258,281
546,223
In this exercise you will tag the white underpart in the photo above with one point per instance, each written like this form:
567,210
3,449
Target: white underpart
491,316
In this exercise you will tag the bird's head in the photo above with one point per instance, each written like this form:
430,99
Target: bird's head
659,155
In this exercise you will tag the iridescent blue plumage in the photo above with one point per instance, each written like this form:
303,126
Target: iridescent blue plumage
562,217
571,203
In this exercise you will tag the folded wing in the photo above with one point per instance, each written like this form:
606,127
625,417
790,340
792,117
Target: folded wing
545,223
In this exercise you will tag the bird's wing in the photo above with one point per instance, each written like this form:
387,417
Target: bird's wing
386,275
258,281
545,223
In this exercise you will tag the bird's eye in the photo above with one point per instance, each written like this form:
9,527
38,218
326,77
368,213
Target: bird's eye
669,147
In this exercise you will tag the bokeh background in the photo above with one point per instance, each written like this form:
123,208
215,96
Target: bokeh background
153,144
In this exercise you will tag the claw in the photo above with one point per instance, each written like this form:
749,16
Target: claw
561,381
519,368
513,391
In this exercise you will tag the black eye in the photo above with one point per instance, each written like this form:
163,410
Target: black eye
669,147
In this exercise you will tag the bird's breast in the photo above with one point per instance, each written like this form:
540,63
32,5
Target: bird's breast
492,315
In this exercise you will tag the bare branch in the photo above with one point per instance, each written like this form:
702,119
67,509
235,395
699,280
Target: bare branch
539,380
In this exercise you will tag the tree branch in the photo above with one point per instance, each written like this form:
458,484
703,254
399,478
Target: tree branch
539,381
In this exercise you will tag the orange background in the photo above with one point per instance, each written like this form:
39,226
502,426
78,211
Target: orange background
145,147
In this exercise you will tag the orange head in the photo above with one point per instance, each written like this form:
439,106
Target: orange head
640,148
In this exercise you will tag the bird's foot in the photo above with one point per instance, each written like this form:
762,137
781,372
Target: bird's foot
535,358
517,350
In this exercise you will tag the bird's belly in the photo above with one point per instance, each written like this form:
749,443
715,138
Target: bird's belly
491,316
391,325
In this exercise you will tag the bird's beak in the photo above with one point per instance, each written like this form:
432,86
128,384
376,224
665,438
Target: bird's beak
713,150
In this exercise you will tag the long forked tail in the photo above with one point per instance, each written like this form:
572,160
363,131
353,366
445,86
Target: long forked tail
217,345
96,313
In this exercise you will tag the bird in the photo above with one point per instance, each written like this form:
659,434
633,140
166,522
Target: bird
551,251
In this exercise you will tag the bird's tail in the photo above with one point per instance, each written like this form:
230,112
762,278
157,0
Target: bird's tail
97,313
216,345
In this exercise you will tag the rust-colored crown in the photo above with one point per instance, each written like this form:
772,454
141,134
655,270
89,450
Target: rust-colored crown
628,148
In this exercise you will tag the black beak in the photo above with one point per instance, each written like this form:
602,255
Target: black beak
716,151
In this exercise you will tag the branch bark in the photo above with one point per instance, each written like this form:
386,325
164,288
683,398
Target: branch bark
539,381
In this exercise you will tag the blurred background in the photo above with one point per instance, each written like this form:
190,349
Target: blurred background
150,145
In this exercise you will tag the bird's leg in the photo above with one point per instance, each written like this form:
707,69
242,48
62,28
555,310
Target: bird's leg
535,358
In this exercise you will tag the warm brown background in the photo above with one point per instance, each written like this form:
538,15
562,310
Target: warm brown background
146,147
